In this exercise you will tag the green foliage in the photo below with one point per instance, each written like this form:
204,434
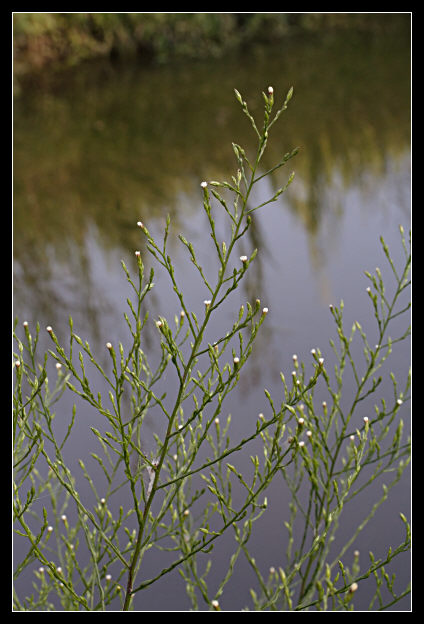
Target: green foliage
188,491
64,39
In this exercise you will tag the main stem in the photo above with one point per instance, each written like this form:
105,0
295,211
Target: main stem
135,559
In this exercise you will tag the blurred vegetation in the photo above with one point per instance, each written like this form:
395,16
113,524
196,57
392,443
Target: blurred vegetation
58,40
121,141
103,144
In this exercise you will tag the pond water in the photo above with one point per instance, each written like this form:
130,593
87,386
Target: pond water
110,144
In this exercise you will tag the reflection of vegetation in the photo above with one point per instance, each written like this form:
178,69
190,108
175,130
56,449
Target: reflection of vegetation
117,144
114,144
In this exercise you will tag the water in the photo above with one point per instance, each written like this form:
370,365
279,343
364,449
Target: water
112,144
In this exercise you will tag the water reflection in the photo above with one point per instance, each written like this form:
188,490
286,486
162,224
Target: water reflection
115,144
111,145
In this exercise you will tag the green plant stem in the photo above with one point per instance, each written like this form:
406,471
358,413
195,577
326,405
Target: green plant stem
135,558
306,585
